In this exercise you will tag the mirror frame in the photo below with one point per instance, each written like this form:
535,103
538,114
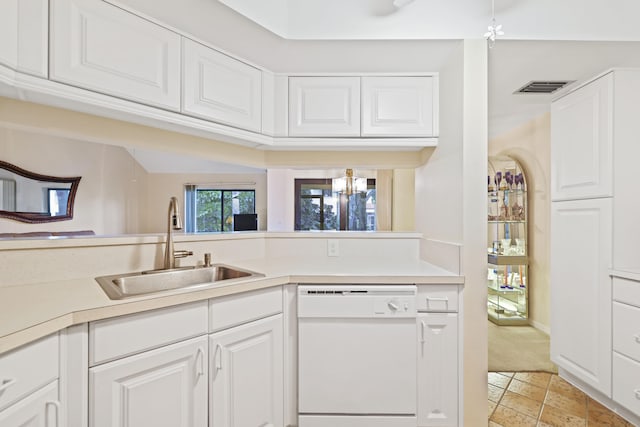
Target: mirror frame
34,217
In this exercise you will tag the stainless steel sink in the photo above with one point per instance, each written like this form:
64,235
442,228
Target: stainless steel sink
121,286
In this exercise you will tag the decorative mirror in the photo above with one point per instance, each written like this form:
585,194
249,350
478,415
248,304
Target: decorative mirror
30,197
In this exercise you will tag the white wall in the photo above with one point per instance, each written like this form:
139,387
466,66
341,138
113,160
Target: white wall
105,191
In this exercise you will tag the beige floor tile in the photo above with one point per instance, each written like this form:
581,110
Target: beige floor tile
567,403
495,393
618,421
559,385
499,380
492,406
507,374
509,418
540,379
528,390
522,404
558,418
492,424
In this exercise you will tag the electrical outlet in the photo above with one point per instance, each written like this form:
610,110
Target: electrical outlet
333,247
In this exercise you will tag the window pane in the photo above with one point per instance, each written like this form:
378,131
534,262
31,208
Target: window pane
208,211
310,213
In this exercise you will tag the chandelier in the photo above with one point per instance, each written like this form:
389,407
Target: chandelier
494,30
349,184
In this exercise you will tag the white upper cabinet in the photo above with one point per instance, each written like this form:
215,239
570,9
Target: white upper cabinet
97,46
324,106
23,35
581,153
398,106
219,88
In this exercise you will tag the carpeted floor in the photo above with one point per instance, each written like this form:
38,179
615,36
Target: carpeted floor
518,349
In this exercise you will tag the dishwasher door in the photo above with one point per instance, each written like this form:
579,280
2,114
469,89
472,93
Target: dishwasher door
357,350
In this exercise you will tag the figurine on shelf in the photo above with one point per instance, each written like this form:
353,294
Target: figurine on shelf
517,212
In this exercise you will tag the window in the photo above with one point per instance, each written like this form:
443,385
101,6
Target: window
209,210
318,208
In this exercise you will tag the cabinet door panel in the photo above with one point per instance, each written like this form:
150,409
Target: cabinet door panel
437,370
581,290
220,88
100,47
246,375
581,142
23,31
40,409
397,106
324,106
166,387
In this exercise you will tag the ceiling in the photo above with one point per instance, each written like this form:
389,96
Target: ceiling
544,39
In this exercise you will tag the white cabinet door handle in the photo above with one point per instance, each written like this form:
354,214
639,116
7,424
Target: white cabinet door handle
56,405
423,327
637,338
6,384
267,425
200,357
637,392
218,360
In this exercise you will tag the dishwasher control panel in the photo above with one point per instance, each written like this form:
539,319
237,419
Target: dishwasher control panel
357,301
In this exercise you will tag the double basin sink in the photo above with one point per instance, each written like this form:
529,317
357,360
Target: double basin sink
120,286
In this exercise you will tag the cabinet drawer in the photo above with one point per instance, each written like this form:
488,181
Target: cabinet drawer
626,330
626,291
626,382
121,336
438,298
26,369
234,310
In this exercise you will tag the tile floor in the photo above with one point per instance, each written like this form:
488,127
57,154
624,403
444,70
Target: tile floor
540,399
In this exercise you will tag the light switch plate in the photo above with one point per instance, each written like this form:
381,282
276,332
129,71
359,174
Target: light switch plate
333,247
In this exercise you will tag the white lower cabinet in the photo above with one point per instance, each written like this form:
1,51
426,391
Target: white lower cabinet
246,375
39,409
166,387
437,369
581,290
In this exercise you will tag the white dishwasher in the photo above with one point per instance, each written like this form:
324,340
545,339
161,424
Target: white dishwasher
357,356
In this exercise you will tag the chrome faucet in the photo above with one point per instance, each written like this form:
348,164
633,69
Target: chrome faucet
174,222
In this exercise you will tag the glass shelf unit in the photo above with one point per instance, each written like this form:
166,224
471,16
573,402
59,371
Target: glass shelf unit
507,252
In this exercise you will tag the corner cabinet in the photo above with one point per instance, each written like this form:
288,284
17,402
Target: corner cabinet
24,35
219,88
87,50
507,229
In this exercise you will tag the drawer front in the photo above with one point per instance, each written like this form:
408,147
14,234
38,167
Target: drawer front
626,382
233,310
626,291
26,369
626,330
111,339
438,298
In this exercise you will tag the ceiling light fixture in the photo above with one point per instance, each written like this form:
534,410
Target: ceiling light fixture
349,184
494,30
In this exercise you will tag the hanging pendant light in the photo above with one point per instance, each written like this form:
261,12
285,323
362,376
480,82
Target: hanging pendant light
349,184
494,30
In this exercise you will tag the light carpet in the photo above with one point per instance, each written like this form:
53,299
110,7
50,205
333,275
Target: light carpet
518,349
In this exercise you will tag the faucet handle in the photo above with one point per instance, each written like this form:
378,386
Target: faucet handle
207,259
182,254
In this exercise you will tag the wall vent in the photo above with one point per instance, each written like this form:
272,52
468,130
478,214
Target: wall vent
543,86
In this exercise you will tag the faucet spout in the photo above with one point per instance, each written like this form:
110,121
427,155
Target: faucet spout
174,222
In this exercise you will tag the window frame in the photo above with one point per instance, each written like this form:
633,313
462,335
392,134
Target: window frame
191,203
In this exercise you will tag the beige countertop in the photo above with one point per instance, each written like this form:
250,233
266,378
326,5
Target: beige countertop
28,312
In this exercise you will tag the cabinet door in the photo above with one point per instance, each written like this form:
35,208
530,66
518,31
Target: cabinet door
246,375
581,142
100,47
40,409
438,369
24,31
324,106
166,387
581,290
220,88
398,106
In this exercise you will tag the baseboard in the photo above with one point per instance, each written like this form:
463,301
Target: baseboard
539,326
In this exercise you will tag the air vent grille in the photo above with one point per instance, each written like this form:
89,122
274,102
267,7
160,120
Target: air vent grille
546,86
